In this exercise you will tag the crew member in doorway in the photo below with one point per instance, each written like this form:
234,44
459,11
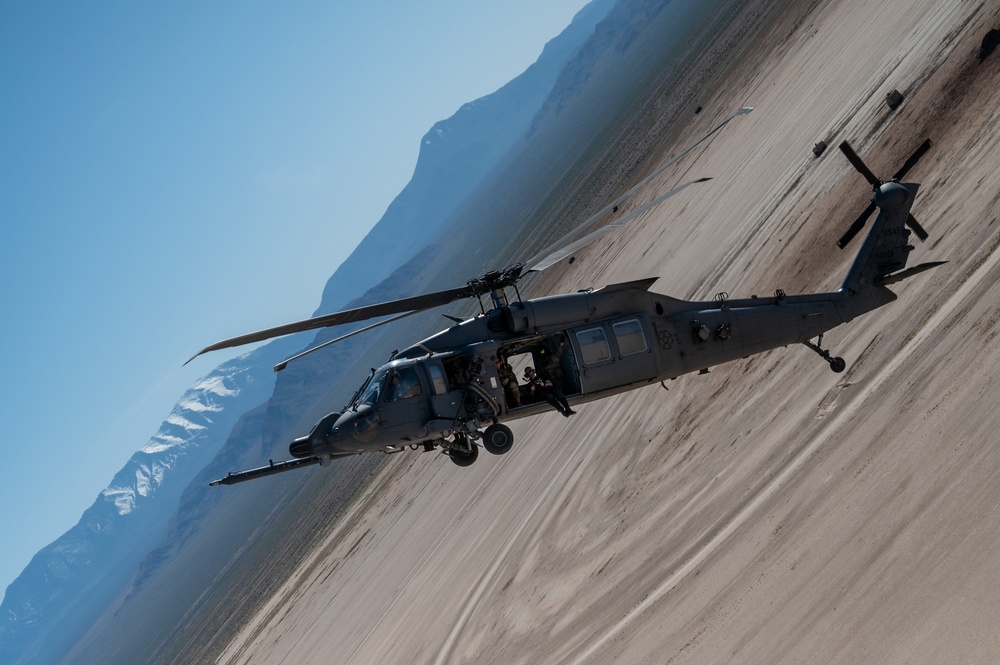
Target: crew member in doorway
550,366
509,382
540,388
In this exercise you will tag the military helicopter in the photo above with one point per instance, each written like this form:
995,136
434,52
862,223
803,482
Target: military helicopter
453,390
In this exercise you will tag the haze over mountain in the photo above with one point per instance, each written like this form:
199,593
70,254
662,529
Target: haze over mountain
135,523
143,564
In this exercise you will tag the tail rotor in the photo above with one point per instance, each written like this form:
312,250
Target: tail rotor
876,183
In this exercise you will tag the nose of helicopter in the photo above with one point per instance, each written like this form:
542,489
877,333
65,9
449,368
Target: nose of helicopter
301,447
321,439
338,433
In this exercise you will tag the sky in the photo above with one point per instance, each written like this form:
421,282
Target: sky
172,174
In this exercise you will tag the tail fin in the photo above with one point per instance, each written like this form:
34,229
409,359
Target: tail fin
882,258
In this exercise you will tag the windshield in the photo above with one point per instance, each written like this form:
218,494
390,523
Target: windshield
374,389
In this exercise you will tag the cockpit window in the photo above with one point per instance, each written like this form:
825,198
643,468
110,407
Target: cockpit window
403,384
374,389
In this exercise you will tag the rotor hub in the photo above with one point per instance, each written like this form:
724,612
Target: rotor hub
891,195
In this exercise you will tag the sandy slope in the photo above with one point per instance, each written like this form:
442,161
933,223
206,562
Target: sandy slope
770,511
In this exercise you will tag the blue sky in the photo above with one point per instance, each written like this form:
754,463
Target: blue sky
175,173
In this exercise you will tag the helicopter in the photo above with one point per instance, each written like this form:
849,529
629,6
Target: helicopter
453,391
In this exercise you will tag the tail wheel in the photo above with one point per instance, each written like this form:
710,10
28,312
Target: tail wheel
463,458
498,439
838,365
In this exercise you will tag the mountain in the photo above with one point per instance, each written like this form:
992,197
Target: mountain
161,557
455,155
76,576
159,496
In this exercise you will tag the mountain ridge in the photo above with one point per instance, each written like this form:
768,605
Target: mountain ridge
118,543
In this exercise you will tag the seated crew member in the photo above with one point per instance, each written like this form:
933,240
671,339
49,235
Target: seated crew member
540,388
509,382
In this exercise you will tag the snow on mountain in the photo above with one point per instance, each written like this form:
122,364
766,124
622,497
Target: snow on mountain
72,579
71,582
193,414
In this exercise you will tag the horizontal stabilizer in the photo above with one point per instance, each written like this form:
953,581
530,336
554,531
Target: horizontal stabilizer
909,272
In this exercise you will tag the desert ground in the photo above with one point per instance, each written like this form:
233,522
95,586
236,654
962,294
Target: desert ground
770,511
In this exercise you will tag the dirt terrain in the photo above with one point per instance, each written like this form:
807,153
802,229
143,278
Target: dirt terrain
770,511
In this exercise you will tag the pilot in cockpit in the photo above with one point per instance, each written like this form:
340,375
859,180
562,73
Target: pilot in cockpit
403,384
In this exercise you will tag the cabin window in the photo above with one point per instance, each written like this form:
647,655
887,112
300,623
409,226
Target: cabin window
403,384
438,382
630,337
593,346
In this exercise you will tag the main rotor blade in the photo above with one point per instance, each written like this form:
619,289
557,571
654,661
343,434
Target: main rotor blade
284,363
416,303
859,165
428,301
554,248
912,160
558,254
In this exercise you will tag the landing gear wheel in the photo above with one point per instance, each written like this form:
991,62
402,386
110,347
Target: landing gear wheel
836,364
463,458
498,439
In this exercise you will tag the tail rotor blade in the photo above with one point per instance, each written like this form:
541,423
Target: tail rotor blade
856,162
912,160
912,222
856,227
